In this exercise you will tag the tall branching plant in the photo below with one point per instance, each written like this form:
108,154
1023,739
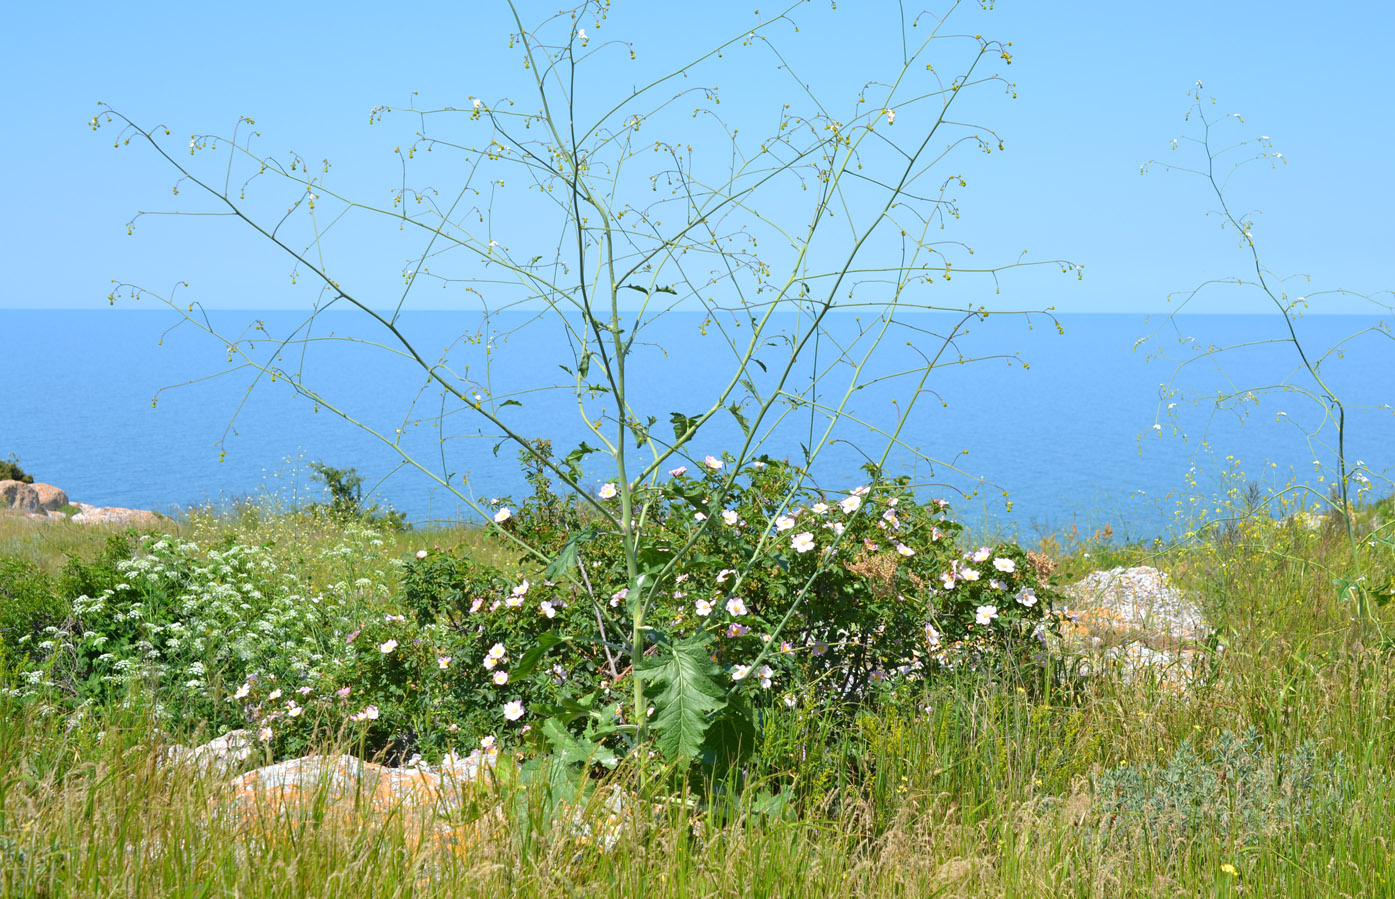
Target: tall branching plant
806,251
1218,158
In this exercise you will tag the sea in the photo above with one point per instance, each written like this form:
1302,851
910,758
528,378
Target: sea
1029,425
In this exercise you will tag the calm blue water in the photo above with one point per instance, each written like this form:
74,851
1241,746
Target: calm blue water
1071,439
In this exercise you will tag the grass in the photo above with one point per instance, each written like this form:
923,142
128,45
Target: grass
984,785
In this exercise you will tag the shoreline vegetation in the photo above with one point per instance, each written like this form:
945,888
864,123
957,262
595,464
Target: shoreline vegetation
1270,773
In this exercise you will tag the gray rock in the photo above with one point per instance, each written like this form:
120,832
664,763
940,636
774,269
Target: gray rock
19,497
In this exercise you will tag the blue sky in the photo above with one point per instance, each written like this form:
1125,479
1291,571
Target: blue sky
1101,87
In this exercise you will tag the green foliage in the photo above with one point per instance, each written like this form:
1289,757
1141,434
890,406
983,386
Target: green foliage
80,578
345,487
10,471
691,694
754,593
14,868
1235,792
793,593
784,597
548,516
186,623
28,605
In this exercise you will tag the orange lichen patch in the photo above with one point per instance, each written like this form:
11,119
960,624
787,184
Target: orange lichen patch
290,786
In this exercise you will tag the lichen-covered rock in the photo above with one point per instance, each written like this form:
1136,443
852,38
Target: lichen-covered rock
453,809
19,497
140,518
291,791
41,502
51,498
1133,619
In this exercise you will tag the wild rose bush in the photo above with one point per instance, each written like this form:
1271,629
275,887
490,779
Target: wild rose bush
791,595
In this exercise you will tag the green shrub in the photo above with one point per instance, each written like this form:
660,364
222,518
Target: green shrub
80,578
182,622
10,471
787,599
345,487
28,604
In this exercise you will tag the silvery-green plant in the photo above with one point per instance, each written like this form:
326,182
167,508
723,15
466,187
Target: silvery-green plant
1237,790
810,251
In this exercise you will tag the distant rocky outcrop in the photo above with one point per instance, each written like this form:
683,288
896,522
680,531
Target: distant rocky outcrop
139,518
47,502
1133,619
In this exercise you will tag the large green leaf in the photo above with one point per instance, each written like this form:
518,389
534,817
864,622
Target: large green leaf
694,493
573,461
691,692
735,410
